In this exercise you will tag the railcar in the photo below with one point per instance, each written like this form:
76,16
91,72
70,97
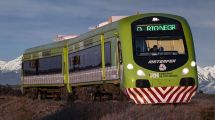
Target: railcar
43,69
148,57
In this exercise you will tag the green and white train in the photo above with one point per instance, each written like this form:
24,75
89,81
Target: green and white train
148,57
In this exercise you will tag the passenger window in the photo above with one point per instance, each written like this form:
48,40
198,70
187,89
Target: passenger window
76,60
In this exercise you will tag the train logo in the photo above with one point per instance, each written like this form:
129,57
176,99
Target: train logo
162,67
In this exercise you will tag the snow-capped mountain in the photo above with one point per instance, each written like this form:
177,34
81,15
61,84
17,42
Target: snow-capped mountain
10,74
11,66
206,77
10,71
2,63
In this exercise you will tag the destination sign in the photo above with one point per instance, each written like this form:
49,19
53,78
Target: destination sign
156,27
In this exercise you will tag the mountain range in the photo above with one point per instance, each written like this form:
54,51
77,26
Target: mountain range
10,71
10,74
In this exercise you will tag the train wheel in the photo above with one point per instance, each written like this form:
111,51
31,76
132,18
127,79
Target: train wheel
39,96
85,94
27,93
64,94
112,90
44,95
34,93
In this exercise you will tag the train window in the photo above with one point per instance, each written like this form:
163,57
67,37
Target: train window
76,60
159,46
107,54
50,65
89,58
83,60
30,67
120,52
33,63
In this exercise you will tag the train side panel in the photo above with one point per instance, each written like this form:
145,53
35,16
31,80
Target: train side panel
88,69
43,68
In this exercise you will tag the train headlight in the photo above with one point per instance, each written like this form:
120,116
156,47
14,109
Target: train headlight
140,73
130,66
185,71
193,64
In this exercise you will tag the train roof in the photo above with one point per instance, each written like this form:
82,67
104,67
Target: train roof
94,32
91,33
56,44
63,43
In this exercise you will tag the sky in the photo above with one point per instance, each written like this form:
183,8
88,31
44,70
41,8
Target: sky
29,23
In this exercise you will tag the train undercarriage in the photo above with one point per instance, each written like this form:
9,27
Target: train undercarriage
84,93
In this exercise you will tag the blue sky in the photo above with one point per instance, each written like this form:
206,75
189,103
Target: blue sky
28,23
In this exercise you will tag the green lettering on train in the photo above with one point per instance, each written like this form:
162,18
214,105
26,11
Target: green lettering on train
159,27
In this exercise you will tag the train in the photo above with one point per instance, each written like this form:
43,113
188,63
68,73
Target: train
148,58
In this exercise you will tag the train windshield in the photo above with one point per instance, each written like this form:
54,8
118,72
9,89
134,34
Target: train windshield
156,46
159,40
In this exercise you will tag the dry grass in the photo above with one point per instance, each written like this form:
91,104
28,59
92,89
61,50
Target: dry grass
21,108
10,90
15,107
201,107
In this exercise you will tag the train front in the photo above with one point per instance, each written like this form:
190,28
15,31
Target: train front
158,59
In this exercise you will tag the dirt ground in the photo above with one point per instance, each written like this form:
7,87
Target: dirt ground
202,107
21,108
